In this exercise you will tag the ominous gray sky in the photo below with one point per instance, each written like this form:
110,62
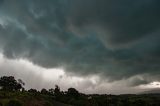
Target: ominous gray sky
101,44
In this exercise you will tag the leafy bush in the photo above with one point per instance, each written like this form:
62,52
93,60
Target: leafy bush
14,103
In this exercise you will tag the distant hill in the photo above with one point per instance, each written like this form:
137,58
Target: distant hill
152,91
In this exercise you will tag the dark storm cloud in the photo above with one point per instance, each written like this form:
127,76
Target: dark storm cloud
1,1
123,22
116,39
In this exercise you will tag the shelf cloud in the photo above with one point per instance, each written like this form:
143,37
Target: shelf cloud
116,40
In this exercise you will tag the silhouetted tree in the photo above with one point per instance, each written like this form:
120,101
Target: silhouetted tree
21,82
73,92
44,91
51,91
32,91
9,83
57,92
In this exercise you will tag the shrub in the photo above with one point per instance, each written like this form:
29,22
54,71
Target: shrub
14,103
1,104
48,104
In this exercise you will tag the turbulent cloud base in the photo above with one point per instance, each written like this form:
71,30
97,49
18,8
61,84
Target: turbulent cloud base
116,40
38,77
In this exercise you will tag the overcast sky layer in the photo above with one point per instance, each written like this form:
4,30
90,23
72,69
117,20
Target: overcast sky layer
101,44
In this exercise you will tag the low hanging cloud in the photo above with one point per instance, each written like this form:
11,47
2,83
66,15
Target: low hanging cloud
114,39
37,77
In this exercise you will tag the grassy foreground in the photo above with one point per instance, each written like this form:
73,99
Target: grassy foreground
37,99
27,99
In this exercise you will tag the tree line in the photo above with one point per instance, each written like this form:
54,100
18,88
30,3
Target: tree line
75,98
9,83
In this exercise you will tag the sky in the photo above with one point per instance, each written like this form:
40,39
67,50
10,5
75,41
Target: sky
95,46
